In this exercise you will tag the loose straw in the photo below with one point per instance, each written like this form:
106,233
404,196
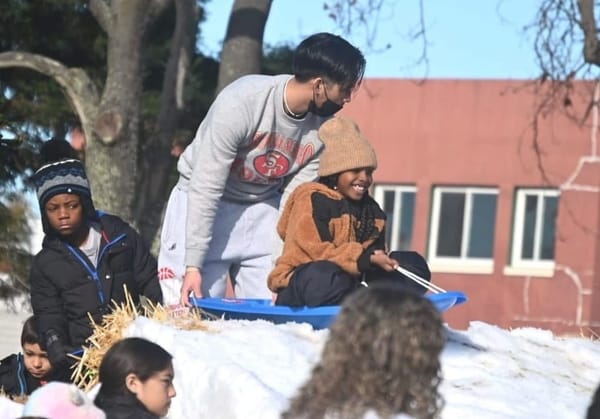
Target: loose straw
110,331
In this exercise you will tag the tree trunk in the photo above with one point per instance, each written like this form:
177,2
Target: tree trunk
242,49
591,49
111,153
156,162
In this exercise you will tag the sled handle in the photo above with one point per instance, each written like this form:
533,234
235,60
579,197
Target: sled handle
424,283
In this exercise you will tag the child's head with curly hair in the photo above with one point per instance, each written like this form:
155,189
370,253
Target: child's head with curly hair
382,356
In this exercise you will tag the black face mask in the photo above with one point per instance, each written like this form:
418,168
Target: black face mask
328,108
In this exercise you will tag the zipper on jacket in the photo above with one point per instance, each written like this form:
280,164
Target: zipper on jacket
90,268
21,374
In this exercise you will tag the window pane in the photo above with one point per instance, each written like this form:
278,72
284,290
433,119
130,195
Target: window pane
450,227
529,227
549,227
407,220
388,208
483,219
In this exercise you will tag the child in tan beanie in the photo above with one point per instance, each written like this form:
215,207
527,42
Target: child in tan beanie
334,232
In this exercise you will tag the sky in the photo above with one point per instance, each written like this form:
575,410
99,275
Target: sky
250,369
466,38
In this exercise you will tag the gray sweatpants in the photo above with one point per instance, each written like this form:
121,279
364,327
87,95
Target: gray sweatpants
241,246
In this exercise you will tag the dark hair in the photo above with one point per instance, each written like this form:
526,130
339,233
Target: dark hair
329,181
364,211
29,333
330,56
382,354
131,355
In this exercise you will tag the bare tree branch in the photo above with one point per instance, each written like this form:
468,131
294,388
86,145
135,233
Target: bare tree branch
352,16
79,88
422,34
361,18
559,35
101,11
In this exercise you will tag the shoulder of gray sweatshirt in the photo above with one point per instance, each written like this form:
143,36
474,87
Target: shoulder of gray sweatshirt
245,150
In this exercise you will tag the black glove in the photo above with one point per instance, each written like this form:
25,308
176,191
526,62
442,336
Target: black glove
56,351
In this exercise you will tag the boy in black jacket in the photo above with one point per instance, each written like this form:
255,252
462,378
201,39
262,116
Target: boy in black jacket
22,373
86,259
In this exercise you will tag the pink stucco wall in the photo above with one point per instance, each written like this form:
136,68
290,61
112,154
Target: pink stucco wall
481,133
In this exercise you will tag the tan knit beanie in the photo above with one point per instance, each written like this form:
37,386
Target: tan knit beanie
345,147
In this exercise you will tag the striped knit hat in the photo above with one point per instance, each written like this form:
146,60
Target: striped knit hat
63,177
345,147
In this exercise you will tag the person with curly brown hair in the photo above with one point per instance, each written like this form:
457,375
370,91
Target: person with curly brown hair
593,411
382,359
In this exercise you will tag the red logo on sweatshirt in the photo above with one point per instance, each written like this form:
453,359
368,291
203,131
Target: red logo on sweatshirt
166,273
272,164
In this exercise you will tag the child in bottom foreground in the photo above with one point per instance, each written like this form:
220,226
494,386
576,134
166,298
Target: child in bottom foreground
137,380
60,401
382,359
22,373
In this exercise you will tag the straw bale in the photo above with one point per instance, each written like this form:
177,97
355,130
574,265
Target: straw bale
114,324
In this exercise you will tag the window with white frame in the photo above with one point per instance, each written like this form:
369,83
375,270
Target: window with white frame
534,228
398,203
463,222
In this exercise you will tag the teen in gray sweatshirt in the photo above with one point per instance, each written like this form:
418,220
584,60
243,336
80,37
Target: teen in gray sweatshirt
257,142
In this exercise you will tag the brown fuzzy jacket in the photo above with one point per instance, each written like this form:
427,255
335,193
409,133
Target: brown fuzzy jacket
317,224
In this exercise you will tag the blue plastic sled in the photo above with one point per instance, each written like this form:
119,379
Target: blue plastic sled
318,317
